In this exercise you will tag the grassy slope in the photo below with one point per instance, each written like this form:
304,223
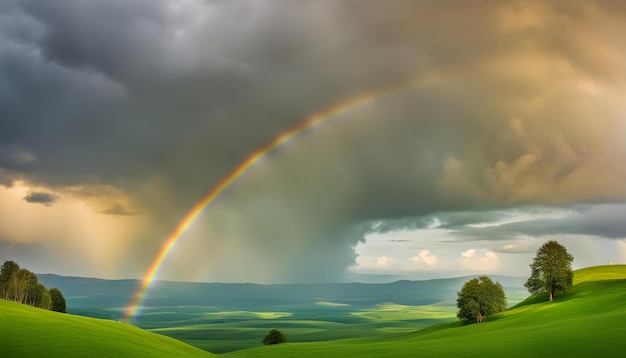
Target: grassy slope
30,332
587,321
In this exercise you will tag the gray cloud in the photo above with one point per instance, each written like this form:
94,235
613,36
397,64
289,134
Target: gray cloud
604,221
161,100
118,209
40,197
14,157
515,249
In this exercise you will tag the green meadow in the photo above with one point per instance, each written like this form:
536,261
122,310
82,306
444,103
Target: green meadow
26,331
222,318
227,331
587,321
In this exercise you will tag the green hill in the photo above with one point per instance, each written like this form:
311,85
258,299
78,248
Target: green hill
31,332
588,321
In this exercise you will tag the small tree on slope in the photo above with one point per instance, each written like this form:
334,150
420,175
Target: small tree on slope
479,298
551,270
274,337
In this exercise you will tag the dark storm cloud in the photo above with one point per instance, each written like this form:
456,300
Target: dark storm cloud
13,156
453,220
135,87
39,197
125,94
160,100
604,221
6,179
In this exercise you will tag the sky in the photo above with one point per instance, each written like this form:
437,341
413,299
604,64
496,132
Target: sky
505,127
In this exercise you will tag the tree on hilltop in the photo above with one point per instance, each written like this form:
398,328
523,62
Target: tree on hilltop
551,270
479,298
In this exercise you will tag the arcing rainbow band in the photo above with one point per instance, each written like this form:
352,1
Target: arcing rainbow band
210,197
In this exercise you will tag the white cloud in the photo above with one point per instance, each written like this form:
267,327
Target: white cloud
385,263
468,254
487,262
426,257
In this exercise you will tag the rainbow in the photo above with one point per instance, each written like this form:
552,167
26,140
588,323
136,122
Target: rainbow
310,122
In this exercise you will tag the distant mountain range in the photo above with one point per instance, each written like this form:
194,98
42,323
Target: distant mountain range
84,294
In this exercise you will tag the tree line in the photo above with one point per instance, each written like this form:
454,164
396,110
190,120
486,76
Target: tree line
22,286
551,272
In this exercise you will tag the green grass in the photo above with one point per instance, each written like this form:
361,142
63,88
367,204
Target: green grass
222,318
395,312
587,321
227,331
220,330
31,332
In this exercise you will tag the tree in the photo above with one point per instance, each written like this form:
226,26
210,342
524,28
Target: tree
551,270
26,281
21,285
479,298
8,273
58,301
38,296
274,337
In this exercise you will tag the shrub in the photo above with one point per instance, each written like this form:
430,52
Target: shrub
274,337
